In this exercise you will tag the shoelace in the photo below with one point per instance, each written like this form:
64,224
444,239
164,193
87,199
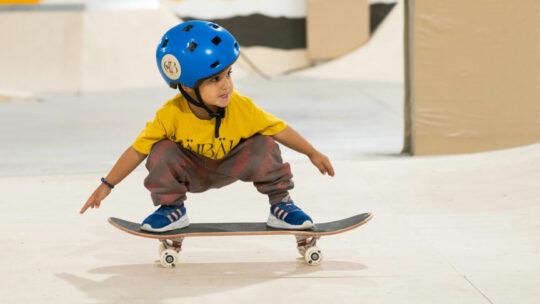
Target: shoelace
288,207
166,210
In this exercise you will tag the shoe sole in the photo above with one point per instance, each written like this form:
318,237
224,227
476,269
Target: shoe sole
179,224
274,222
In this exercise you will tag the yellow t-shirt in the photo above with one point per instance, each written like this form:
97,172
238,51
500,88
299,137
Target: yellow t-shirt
176,122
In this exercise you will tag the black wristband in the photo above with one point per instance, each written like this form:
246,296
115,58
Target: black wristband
106,183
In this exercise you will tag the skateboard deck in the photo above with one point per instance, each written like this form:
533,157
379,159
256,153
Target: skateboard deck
171,241
224,229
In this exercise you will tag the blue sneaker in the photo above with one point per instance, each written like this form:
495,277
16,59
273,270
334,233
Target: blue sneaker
287,215
165,218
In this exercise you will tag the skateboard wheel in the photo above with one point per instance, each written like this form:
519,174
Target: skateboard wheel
169,257
313,256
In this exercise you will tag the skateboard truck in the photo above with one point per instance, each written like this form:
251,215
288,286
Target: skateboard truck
169,250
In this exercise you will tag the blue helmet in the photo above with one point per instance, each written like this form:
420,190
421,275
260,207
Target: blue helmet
193,51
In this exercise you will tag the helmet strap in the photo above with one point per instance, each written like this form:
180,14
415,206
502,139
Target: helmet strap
217,115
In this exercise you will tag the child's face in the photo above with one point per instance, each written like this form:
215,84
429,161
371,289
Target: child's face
216,91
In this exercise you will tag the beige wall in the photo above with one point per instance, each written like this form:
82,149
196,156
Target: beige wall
473,75
81,50
335,27
40,51
119,48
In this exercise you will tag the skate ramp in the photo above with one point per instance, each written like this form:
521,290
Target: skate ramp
381,59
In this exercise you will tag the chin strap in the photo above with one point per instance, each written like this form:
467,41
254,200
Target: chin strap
220,114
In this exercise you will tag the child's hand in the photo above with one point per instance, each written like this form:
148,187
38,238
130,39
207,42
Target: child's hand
95,200
322,162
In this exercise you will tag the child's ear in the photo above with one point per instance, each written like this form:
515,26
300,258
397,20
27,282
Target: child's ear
187,89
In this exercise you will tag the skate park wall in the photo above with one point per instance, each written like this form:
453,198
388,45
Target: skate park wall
285,36
81,46
380,59
41,50
473,75
93,45
119,47
335,28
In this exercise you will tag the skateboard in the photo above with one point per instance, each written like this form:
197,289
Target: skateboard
306,240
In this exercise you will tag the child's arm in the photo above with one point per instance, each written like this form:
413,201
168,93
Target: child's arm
290,138
129,160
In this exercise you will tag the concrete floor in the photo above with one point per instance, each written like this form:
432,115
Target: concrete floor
447,229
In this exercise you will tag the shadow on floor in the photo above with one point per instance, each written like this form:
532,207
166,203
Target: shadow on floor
151,283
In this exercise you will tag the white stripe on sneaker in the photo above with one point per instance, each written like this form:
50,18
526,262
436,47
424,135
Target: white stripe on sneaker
181,223
277,223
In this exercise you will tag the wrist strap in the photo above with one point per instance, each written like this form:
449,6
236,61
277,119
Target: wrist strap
107,183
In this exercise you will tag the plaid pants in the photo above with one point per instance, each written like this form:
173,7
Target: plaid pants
174,170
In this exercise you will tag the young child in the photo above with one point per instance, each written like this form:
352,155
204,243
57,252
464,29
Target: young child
209,135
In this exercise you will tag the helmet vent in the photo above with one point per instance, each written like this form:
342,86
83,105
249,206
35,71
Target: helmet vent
215,64
187,28
164,44
216,40
236,45
214,26
192,46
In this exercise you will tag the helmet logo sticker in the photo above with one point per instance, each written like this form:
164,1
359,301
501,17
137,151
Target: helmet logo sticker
171,66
